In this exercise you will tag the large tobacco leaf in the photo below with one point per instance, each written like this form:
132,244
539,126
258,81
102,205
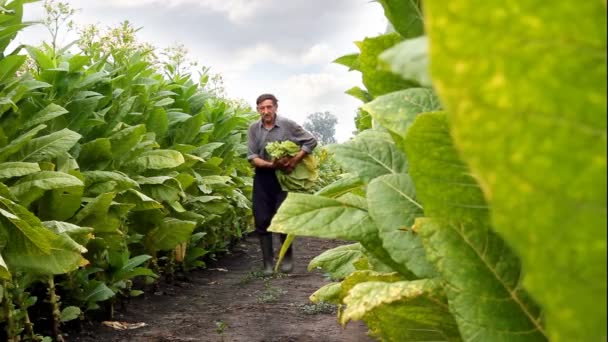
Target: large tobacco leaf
402,310
169,234
369,155
343,218
405,16
48,147
410,59
482,273
34,248
527,102
31,187
338,262
392,204
396,111
17,169
377,81
19,142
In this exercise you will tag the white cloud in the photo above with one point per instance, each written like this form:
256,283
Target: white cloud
234,9
256,45
244,59
304,94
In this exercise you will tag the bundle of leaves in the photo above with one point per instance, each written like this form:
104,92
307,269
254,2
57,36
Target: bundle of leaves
306,173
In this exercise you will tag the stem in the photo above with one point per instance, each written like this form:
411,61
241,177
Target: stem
28,326
9,311
55,306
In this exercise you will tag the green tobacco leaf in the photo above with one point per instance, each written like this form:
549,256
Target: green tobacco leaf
124,140
77,62
17,169
48,147
98,182
392,204
528,115
95,153
157,159
141,201
60,204
410,60
362,276
329,293
350,61
96,291
34,248
398,110
186,132
162,189
338,262
377,81
169,234
48,113
70,313
309,215
343,218
164,102
360,94
44,61
369,155
9,65
78,233
95,214
91,79
17,144
158,122
341,186
481,272
402,311
405,16
5,274
31,187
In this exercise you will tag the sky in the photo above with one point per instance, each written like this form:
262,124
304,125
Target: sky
258,46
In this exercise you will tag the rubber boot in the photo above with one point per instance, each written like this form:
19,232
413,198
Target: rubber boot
287,263
267,254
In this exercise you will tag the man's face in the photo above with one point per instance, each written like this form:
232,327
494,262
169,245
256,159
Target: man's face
267,110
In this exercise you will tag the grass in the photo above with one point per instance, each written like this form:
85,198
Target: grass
321,308
259,275
270,293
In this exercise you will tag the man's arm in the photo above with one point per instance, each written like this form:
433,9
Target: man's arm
264,164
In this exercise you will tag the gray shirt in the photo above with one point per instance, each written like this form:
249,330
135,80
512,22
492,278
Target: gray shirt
283,129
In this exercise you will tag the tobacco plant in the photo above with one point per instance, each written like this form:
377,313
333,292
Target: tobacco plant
477,198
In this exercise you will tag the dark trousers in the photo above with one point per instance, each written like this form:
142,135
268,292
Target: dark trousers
267,198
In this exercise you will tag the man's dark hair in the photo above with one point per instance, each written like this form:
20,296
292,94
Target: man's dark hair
265,97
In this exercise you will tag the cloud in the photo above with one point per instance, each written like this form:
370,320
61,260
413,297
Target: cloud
233,9
304,94
257,45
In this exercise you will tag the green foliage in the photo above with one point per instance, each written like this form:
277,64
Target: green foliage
113,167
534,133
461,216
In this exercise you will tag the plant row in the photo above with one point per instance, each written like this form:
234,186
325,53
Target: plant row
475,196
114,168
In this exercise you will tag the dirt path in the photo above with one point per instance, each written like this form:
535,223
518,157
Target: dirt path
230,301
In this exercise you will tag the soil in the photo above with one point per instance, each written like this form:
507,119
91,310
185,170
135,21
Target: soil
231,301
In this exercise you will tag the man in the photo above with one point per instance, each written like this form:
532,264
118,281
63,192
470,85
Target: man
267,192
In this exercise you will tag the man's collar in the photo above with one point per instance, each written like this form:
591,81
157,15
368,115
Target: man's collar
276,122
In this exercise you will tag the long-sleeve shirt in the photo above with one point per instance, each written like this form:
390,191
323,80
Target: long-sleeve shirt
283,129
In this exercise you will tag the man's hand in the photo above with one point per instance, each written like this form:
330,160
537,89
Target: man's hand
292,162
280,164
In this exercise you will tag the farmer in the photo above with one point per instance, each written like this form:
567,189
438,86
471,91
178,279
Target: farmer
267,192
